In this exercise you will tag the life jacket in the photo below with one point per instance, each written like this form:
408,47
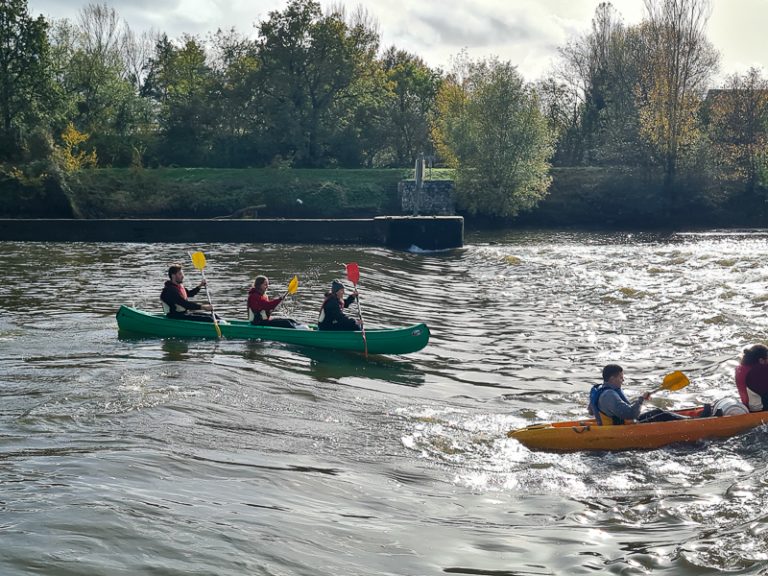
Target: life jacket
602,418
182,292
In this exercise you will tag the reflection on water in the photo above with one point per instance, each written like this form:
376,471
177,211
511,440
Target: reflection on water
175,350
329,365
247,457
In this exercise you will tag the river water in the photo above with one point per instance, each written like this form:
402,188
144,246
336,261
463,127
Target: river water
124,456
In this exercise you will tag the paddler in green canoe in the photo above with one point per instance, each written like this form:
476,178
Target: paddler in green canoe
260,306
175,298
332,315
609,405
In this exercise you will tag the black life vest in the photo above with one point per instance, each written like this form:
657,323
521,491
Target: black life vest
182,292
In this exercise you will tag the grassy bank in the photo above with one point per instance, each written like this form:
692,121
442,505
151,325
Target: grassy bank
209,193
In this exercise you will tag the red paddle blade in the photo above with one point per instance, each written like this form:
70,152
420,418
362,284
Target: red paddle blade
353,272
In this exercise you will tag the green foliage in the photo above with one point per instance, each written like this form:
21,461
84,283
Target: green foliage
99,92
602,197
737,126
181,82
498,138
26,80
309,62
680,62
35,190
239,137
410,105
209,193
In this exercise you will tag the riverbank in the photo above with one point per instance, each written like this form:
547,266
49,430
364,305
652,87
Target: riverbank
578,196
201,193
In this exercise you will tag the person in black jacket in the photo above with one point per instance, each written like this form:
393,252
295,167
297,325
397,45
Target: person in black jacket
176,299
332,315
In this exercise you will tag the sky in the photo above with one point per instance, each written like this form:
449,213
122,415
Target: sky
525,32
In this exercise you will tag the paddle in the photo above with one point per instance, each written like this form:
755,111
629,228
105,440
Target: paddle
293,285
198,261
673,381
353,275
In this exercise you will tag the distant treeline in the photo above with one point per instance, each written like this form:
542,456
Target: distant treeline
316,89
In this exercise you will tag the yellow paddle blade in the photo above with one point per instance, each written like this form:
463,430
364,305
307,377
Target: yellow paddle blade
293,285
675,381
198,260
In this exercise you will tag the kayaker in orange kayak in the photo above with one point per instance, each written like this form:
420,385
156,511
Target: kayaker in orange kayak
609,405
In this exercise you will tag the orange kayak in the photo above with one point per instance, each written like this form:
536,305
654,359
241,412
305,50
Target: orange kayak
587,435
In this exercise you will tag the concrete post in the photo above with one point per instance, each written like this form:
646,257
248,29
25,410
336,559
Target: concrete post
419,178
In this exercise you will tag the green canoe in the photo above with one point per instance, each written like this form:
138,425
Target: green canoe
380,341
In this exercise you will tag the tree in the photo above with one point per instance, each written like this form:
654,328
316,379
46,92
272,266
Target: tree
492,131
25,73
72,156
677,70
599,71
738,128
561,108
309,61
412,89
238,103
97,62
181,81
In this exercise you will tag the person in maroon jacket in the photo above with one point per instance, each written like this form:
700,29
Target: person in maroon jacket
751,358
757,387
260,307
176,298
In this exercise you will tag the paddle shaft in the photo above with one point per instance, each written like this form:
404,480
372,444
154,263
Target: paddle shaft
362,324
201,266
213,314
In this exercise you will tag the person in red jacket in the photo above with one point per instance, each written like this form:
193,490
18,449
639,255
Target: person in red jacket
750,357
260,307
175,298
752,377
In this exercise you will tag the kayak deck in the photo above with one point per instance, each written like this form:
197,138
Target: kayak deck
587,435
379,341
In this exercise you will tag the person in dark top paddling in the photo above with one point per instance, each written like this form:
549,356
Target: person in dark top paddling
753,388
176,299
756,383
332,315
260,307
609,405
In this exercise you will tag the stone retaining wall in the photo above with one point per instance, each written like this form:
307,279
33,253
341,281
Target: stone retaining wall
399,232
436,197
